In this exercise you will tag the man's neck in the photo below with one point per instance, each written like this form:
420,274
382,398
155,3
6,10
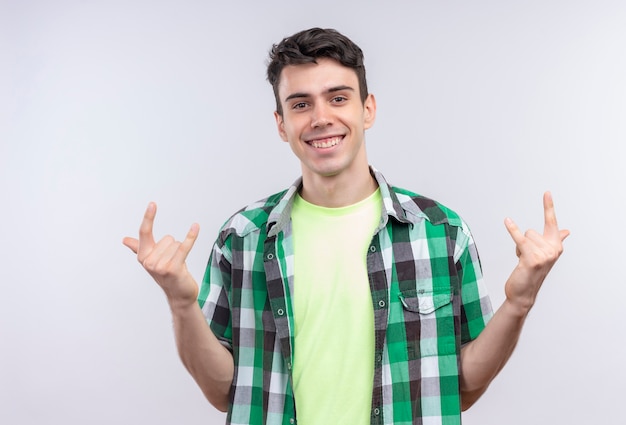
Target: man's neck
338,191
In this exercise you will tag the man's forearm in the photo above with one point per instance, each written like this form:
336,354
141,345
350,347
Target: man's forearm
483,358
206,359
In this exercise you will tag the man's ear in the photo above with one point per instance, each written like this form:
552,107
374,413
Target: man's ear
280,125
369,111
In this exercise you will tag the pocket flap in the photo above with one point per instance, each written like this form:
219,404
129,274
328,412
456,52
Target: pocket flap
424,303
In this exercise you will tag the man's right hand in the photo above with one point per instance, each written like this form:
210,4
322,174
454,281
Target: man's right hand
165,260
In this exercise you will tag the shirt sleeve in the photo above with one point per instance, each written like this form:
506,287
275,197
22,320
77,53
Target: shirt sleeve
213,297
476,309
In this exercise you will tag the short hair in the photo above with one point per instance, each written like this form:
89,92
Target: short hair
309,45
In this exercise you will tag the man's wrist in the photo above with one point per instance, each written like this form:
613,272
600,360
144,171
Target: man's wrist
182,306
517,308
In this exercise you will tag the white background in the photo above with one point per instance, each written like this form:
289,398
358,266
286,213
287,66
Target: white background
482,105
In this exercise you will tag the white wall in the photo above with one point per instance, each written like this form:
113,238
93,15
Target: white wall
483,105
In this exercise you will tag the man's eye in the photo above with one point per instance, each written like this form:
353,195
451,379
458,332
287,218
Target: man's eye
299,105
339,99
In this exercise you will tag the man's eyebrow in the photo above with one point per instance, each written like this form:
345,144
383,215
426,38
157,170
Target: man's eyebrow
339,88
297,96
301,95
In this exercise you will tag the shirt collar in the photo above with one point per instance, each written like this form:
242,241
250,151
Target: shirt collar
407,213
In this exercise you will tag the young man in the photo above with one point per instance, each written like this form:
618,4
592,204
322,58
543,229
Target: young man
343,299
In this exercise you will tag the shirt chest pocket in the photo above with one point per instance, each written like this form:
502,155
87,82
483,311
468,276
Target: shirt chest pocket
429,323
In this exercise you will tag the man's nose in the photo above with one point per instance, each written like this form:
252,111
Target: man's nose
321,116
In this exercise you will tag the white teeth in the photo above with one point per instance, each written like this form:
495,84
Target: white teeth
325,143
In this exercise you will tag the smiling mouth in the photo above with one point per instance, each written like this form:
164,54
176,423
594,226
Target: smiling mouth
325,143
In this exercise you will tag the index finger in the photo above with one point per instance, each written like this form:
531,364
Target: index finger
146,238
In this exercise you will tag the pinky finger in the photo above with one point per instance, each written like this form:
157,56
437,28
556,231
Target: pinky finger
513,230
187,244
516,234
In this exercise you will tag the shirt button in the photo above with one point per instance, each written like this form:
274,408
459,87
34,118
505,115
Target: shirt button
372,248
270,256
376,411
379,358
292,421
280,312
381,303
289,365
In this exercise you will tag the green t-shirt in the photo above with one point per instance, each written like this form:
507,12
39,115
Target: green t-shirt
334,320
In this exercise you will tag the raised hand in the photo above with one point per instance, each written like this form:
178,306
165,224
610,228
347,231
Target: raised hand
165,260
537,254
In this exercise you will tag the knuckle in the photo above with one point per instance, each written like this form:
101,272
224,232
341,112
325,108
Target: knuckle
161,269
530,233
149,264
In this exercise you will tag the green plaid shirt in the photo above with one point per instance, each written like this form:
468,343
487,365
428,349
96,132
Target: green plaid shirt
428,298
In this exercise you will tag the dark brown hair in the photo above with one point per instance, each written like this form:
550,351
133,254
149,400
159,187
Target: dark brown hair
309,45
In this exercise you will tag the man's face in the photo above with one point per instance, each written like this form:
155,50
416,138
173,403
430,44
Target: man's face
324,120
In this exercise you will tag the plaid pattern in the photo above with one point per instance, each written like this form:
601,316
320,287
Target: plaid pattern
427,293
